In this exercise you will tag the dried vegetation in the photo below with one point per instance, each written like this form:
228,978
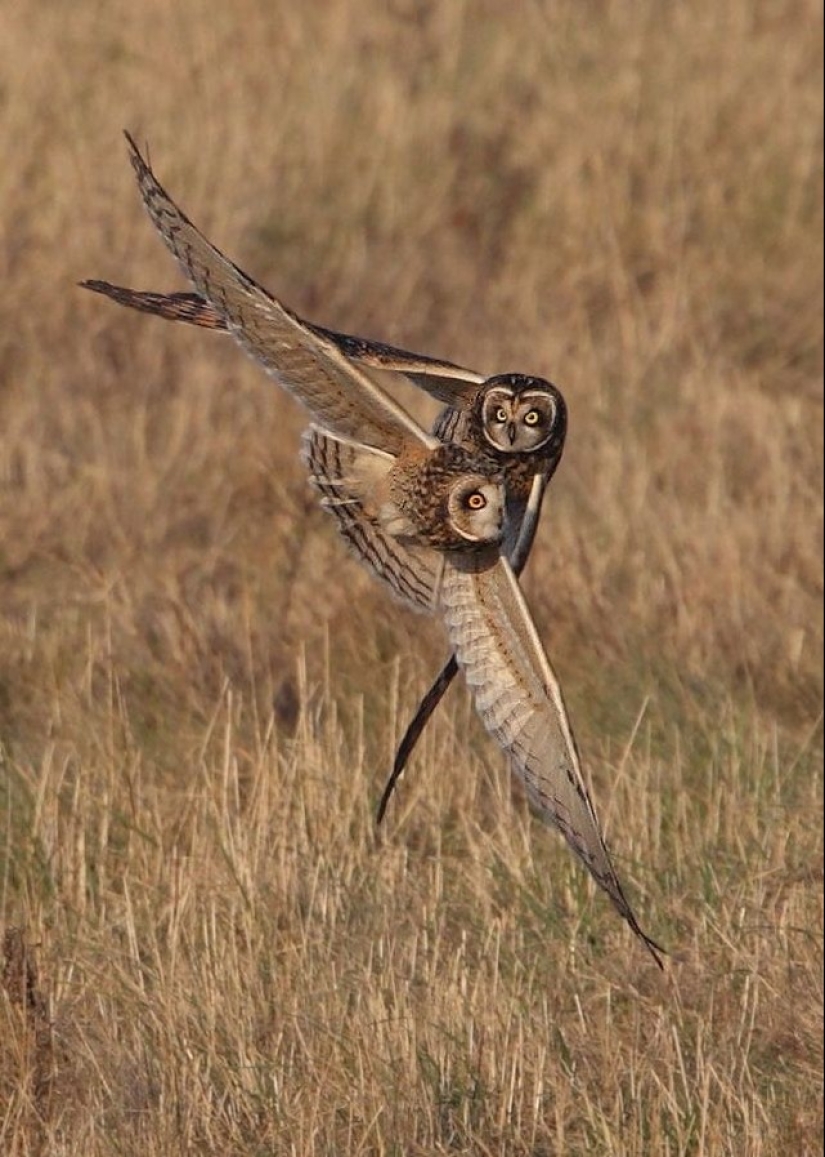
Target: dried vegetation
208,947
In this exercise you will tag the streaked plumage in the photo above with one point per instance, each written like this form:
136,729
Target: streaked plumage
402,515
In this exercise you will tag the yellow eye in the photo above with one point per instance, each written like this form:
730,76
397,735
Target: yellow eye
476,500
500,414
532,418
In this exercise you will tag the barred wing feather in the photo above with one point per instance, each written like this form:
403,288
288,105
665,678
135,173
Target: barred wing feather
444,381
520,703
309,365
348,476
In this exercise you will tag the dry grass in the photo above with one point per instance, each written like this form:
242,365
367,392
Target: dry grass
199,696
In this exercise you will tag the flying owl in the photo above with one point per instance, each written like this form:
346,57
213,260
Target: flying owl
437,509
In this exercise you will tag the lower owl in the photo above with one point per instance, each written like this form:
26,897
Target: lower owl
440,561
399,514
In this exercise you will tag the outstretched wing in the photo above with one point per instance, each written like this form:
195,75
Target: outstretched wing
349,477
520,703
520,530
309,365
442,380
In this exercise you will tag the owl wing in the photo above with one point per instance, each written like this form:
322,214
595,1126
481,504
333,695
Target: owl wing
309,365
518,542
442,380
519,701
524,522
188,307
349,477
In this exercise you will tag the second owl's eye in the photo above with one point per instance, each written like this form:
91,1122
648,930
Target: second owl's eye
476,500
532,418
500,414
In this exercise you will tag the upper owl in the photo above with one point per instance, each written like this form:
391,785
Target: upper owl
518,420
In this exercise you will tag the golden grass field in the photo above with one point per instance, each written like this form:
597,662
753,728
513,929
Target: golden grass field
209,948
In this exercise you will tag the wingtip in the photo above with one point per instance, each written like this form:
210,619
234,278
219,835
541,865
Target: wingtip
655,950
139,163
658,953
398,766
95,286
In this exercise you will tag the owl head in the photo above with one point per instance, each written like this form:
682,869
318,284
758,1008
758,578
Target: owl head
518,414
459,504
474,511
447,500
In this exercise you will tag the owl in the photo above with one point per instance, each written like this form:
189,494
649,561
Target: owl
515,422
429,511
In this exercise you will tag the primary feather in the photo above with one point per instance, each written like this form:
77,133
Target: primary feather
519,701
309,365
445,381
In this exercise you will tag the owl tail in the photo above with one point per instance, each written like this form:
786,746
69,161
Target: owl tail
351,479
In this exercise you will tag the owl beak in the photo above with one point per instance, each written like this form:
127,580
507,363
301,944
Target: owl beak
511,432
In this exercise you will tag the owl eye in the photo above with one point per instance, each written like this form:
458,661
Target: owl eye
532,418
476,500
500,414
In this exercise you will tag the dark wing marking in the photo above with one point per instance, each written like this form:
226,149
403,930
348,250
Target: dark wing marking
441,380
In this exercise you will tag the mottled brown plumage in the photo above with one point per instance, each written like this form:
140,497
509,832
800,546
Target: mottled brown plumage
402,515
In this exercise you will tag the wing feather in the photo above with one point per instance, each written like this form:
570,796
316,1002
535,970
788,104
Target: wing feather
520,703
442,380
306,363
348,477
523,523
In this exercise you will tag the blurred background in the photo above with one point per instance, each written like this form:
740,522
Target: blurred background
200,692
